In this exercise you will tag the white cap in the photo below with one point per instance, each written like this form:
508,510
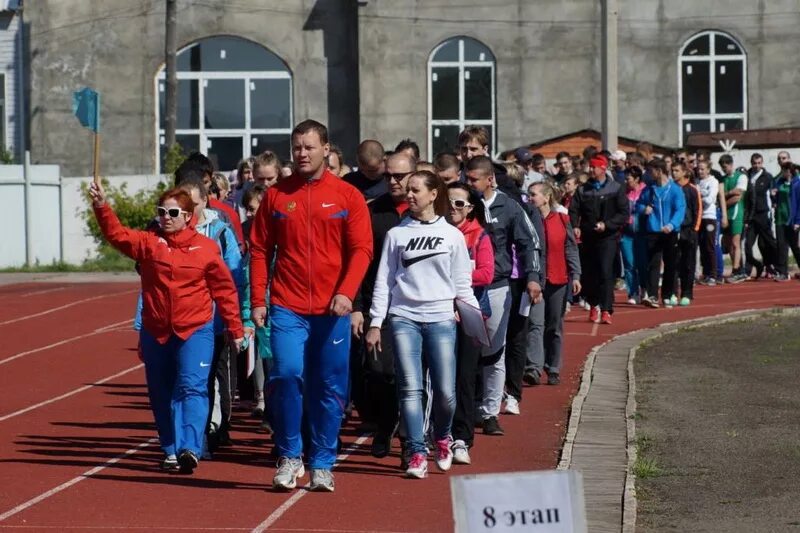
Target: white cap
618,155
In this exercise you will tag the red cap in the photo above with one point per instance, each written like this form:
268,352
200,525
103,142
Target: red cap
598,161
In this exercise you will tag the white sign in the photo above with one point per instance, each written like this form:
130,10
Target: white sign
548,501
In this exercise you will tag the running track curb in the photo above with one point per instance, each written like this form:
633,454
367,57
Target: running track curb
627,496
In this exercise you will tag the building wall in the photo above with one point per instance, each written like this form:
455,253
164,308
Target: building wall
9,59
117,47
361,67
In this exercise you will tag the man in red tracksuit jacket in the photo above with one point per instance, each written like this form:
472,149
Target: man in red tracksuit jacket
320,227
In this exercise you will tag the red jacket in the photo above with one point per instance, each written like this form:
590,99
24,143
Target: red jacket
321,229
181,274
481,252
236,222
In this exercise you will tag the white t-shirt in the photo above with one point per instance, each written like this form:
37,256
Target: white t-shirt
709,189
423,268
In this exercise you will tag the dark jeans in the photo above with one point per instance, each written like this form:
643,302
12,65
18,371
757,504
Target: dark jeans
516,340
597,262
380,387
468,374
787,239
706,241
759,228
220,383
686,264
661,246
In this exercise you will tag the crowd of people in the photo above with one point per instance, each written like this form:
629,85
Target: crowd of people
359,290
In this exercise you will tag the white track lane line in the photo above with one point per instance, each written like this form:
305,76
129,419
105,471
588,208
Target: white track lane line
104,329
42,291
64,486
280,511
65,306
70,393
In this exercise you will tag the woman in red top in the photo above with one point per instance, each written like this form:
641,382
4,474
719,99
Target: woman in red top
467,213
563,268
182,273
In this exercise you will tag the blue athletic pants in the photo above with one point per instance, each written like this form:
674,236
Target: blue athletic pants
177,383
310,358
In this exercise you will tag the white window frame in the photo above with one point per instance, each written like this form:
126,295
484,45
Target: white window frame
461,122
204,134
712,58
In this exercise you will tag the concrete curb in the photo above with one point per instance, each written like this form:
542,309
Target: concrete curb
627,493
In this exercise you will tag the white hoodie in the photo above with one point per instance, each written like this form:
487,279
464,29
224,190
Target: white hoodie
423,268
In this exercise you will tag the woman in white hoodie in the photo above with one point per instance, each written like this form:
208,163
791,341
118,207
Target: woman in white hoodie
423,268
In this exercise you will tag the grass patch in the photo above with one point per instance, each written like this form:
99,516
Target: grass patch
107,263
647,468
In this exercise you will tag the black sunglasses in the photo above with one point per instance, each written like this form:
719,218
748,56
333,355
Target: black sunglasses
173,212
399,176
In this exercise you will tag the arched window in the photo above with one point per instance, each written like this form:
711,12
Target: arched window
234,100
461,92
712,91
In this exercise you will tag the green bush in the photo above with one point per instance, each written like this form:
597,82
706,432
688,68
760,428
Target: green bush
134,211
173,158
6,156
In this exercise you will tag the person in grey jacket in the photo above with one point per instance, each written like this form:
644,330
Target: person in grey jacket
563,273
598,211
509,225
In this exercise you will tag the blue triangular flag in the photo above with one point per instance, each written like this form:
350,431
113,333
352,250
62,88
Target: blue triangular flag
86,106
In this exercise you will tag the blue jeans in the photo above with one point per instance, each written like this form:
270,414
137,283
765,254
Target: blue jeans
177,383
634,260
310,358
437,341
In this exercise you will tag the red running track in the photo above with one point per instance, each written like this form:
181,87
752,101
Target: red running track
77,441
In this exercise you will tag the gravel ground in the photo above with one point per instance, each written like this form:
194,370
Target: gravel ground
718,428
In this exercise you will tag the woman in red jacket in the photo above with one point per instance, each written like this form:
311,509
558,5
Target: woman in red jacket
182,272
563,269
468,214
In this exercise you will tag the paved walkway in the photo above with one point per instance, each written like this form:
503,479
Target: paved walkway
600,440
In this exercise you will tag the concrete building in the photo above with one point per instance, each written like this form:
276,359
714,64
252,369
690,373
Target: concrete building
12,128
528,70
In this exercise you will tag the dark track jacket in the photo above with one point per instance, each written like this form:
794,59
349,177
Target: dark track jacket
594,202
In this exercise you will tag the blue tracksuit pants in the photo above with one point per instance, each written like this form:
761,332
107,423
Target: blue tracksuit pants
177,383
310,357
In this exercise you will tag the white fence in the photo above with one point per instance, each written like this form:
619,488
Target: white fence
57,229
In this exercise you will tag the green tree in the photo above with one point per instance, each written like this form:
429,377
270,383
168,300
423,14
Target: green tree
173,158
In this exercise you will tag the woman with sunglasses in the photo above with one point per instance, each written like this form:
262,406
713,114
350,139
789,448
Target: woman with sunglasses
182,274
424,267
468,214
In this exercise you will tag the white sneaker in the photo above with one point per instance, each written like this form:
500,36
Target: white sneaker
512,406
289,470
461,453
417,466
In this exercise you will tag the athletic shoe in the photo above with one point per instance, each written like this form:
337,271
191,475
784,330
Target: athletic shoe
444,453
632,301
417,466
673,300
265,427
684,301
708,281
650,301
567,308
531,378
258,411
619,285
170,462
461,453
512,406
553,379
289,470
492,427
187,461
736,278
781,277
381,445
594,315
605,318
321,480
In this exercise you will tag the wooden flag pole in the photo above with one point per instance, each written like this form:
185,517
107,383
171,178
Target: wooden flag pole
96,159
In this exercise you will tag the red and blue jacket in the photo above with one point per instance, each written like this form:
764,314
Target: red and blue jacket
321,236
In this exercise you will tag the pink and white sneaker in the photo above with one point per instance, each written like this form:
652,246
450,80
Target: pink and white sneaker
417,466
444,453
